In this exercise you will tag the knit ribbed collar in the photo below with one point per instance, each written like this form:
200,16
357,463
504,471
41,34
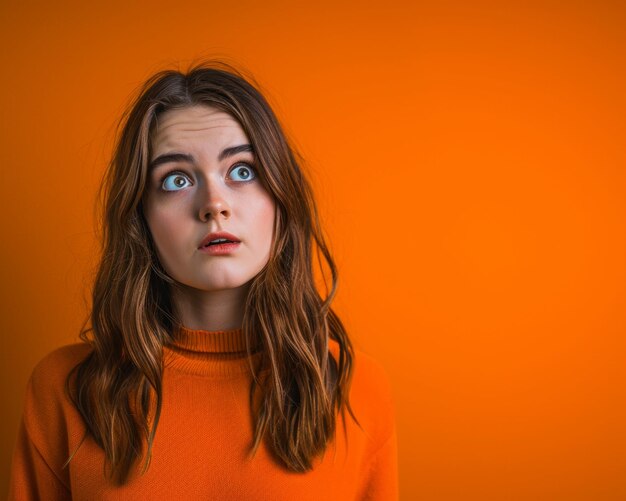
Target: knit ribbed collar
208,353
202,341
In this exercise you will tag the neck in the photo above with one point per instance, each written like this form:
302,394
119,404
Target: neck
211,310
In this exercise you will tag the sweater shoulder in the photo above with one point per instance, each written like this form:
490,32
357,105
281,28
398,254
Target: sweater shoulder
50,422
371,396
368,372
47,405
56,366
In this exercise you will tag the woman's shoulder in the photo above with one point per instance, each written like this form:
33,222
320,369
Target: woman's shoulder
371,394
50,421
368,371
59,362
47,379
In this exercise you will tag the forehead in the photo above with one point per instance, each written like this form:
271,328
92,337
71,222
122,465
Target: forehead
194,126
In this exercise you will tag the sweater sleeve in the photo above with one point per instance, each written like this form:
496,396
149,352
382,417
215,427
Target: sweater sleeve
44,438
382,484
31,476
381,481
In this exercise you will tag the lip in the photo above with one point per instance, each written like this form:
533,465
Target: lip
219,234
220,249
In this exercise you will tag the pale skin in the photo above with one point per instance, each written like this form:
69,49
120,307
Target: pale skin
196,187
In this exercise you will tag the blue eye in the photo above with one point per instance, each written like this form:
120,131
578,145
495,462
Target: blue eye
242,172
174,182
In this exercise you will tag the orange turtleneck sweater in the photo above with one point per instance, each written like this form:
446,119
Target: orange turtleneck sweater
204,433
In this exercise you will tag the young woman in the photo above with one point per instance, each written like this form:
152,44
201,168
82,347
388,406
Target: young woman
213,368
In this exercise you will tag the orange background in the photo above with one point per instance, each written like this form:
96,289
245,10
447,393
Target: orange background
470,165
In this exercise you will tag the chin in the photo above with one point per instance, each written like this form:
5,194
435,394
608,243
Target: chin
216,285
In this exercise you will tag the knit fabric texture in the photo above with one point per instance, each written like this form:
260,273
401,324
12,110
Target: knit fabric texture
204,435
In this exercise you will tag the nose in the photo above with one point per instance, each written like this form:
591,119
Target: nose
214,205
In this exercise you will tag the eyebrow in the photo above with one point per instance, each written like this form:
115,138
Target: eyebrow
185,157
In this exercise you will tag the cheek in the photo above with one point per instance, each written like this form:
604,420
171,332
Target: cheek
266,216
164,230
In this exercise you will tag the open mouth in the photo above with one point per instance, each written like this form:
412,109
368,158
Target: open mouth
220,241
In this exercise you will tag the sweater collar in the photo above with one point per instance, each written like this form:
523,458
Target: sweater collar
204,341
209,353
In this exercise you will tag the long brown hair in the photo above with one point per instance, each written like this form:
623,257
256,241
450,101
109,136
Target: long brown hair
117,388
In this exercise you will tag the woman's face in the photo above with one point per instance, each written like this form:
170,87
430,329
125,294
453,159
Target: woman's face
203,180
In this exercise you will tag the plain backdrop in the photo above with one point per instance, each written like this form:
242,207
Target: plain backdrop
469,162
